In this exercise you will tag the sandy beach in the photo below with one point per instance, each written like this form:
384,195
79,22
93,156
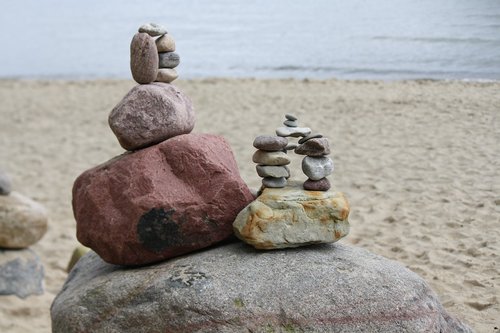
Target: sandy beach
418,160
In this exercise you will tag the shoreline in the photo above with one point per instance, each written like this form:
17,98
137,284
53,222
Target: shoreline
417,159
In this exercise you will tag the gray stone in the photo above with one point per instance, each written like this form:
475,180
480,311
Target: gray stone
293,131
5,183
166,75
153,29
291,217
290,123
314,147
291,146
150,114
270,157
165,43
273,171
317,185
270,142
236,289
169,60
290,117
317,167
21,273
309,137
143,58
22,221
273,182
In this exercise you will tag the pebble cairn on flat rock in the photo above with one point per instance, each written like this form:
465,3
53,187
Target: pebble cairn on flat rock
23,222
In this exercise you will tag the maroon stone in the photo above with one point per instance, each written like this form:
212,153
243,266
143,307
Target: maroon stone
151,113
144,60
314,147
159,202
317,185
270,142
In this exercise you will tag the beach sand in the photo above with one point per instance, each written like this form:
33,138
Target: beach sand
418,160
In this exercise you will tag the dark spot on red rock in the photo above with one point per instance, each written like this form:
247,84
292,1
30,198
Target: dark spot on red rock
157,230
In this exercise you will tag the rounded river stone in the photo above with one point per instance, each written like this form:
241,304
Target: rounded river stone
317,167
143,58
270,142
153,29
314,147
317,185
274,182
309,137
165,43
166,75
169,60
270,158
273,171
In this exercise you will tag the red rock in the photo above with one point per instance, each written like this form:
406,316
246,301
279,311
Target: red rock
144,60
151,113
159,202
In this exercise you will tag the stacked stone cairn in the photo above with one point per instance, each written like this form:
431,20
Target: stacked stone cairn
23,222
316,165
174,192
272,160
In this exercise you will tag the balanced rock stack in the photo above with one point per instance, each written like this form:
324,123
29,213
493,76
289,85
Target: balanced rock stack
23,222
271,160
153,60
176,192
316,165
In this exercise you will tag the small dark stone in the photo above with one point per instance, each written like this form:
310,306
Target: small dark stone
290,117
314,147
317,185
270,142
309,137
290,123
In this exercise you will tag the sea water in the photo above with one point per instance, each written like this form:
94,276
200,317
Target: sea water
354,39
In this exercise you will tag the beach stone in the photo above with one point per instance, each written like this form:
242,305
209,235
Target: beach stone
270,157
293,131
273,171
21,273
314,147
292,217
5,183
153,29
290,117
169,199
270,142
290,146
166,75
150,114
143,58
23,222
317,167
317,185
290,123
165,43
169,60
274,182
323,288
78,252
309,137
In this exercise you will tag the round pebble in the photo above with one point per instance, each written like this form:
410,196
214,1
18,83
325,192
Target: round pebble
290,117
169,60
143,58
166,75
153,29
317,185
165,43
317,167
314,147
270,158
273,171
270,142
290,123
309,137
274,182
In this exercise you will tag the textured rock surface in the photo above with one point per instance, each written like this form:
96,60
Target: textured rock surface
165,43
317,167
169,60
234,288
22,221
143,58
291,217
169,199
167,75
151,113
270,142
21,273
314,147
272,171
270,158
153,29
5,184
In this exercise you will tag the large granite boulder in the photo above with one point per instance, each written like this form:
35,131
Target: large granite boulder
22,221
292,216
151,113
159,202
21,273
234,288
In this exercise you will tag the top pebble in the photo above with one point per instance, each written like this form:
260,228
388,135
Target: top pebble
153,29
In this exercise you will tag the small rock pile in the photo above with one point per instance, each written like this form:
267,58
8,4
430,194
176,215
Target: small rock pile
23,222
271,160
176,192
153,60
316,165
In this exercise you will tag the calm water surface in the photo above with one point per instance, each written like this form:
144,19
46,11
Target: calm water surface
379,39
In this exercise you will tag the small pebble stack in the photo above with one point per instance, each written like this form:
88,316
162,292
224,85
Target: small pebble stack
271,159
316,165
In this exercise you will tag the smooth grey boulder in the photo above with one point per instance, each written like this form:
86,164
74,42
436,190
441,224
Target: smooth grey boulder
235,288
21,273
